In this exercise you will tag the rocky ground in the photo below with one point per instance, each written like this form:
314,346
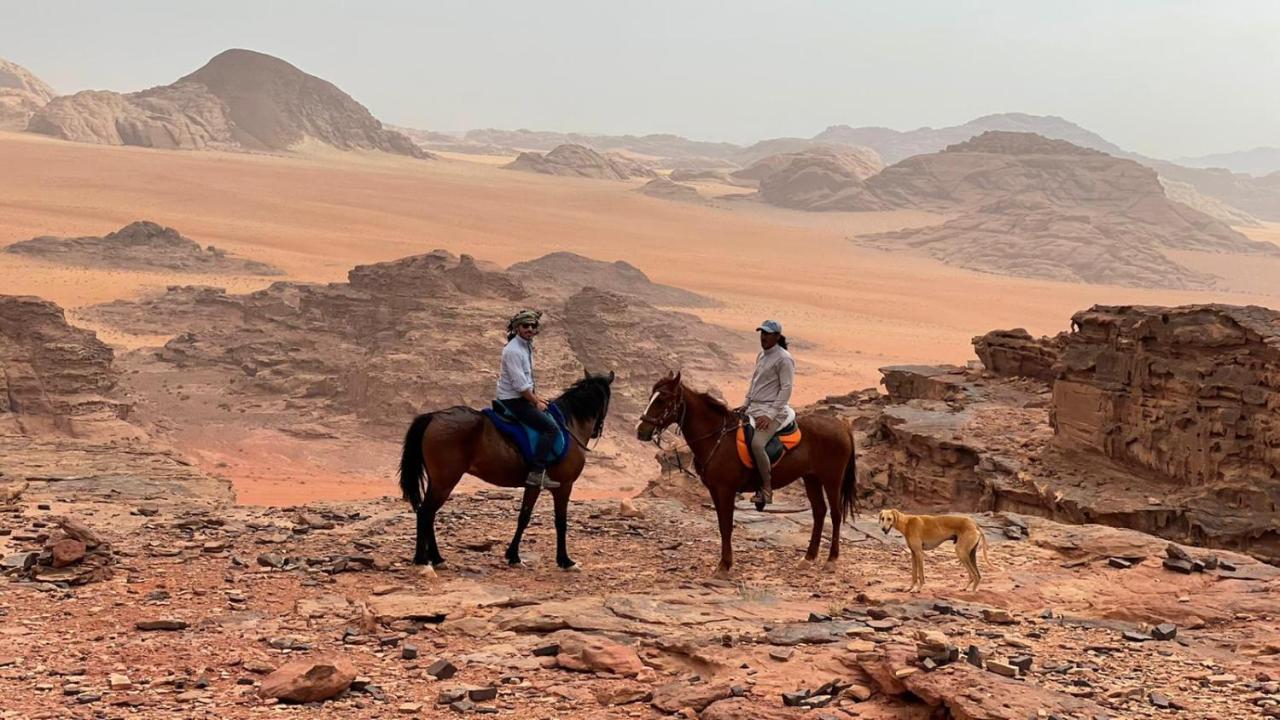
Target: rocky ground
165,607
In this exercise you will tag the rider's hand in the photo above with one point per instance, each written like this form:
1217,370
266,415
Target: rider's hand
541,404
764,422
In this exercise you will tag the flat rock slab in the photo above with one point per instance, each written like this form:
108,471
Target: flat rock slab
807,633
435,607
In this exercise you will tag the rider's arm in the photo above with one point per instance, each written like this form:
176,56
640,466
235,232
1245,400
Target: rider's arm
786,381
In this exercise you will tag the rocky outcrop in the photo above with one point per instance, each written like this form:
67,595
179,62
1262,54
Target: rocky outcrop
1190,392
53,377
566,272
665,189
1187,194
819,178
895,145
1157,419
21,95
1014,353
581,161
240,100
141,245
1034,207
412,334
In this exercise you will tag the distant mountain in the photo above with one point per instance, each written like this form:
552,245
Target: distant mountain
21,95
1258,161
240,100
895,145
571,160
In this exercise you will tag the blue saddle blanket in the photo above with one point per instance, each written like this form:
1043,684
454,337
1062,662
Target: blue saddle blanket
526,438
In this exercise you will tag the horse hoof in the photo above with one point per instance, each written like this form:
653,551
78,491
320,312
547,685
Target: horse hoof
426,571
571,568
720,574
829,566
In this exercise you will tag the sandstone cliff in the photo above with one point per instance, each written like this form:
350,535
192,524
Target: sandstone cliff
240,100
53,377
817,178
21,95
667,189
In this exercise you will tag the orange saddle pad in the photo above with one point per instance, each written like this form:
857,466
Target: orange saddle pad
776,448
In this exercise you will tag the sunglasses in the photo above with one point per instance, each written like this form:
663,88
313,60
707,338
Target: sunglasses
529,326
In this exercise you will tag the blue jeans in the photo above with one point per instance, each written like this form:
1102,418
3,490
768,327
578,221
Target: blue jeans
527,413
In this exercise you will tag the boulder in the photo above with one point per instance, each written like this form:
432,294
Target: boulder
309,680
596,653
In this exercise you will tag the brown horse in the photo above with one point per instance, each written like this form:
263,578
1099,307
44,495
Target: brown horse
824,458
450,443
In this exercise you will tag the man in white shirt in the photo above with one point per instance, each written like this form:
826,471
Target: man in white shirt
516,389
768,398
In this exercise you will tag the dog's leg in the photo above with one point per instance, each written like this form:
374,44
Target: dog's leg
917,566
967,552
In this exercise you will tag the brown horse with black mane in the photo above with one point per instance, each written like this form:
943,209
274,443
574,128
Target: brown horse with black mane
824,458
453,442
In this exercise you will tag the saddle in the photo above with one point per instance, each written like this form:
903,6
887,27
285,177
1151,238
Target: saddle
526,438
787,438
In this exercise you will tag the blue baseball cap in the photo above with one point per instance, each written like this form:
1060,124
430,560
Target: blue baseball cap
770,326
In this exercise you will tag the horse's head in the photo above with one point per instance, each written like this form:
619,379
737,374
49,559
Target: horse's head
664,409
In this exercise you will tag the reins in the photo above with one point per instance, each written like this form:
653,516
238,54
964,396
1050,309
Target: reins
678,423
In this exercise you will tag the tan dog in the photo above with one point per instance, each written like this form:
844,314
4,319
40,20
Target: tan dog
926,532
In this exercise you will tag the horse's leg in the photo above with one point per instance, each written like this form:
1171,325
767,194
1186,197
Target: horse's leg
438,490
526,511
722,497
837,519
561,497
813,488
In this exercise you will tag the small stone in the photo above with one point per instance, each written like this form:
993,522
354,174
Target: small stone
973,656
1222,680
483,694
409,652
943,608
1176,553
1000,668
452,695
1119,563
442,670
858,692
1022,662
883,625
877,613
409,708
794,699
627,509
904,672
1178,565
88,697
998,616
1211,562
1164,631
116,681
271,560
1226,566
462,707
1132,636
67,551
782,654
819,618
1159,700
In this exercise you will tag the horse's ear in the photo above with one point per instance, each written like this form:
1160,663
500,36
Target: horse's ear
586,373
611,377
676,378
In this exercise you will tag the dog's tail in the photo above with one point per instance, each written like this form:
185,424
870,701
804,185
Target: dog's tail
411,462
985,560
849,487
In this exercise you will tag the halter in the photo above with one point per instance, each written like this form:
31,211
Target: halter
675,416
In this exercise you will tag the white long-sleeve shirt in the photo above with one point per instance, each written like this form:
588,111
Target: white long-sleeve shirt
771,384
515,374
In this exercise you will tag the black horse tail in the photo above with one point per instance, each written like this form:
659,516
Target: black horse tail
411,461
849,488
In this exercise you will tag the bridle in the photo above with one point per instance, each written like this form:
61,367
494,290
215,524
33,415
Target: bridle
674,416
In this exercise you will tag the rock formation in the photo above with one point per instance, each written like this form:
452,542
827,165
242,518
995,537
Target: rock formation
1258,162
1157,419
21,95
1036,207
240,100
140,245
895,145
581,161
1187,194
666,189
565,272
53,377
819,178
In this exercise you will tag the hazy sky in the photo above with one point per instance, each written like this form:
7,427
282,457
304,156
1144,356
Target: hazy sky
1162,77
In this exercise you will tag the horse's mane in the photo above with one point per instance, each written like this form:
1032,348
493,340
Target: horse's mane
715,402
586,399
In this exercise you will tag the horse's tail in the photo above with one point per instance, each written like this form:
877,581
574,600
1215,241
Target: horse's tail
849,488
411,461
